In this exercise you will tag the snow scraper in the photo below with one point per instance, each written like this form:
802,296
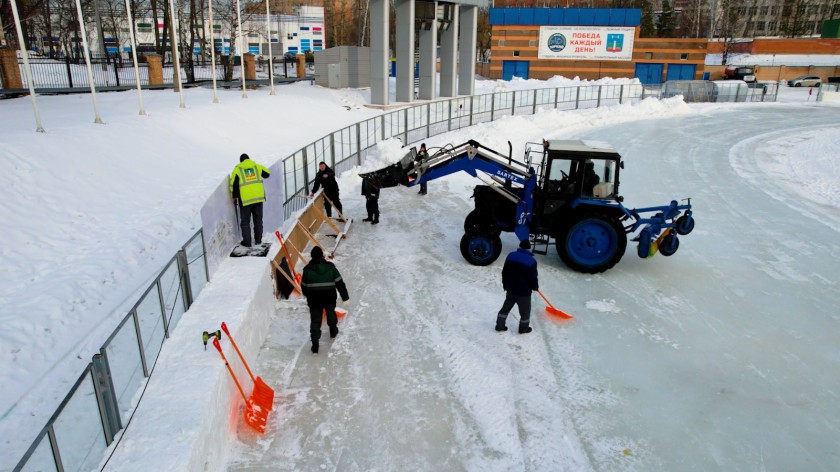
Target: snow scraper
554,311
262,395
255,416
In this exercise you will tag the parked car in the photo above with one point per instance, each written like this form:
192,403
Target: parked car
805,81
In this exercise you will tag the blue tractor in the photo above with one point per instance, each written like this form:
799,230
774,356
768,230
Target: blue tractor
565,191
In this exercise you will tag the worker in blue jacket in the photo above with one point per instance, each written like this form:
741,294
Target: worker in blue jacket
519,279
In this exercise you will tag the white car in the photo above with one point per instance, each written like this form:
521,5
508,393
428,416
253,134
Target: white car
805,81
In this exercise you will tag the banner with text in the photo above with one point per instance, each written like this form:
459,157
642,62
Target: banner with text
586,43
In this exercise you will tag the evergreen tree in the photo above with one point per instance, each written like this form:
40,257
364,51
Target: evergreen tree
647,29
665,25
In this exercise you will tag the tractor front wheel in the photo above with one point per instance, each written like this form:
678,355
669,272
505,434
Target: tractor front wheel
592,244
481,249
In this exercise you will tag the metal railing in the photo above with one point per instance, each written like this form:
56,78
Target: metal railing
104,397
349,146
52,74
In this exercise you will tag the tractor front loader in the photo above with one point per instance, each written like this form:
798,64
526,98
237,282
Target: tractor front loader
564,190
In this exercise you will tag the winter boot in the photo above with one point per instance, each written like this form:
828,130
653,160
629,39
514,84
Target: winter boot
500,324
524,329
245,243
369,218
375,219
333,331
314,347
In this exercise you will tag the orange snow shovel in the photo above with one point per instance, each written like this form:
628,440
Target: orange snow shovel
255,416
262,395
554,311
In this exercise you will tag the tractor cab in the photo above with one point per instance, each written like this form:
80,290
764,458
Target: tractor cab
570,169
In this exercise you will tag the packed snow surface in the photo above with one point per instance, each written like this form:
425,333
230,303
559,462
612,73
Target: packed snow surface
719,357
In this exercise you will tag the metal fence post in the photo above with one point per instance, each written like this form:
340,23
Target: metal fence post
162,309
598,105
405,126
556,97
140,343
513,104
492,107
332,150
382,128
305,169
54,446
69,74
621,94
472,107
449,124
358,144
428,119
534,109
184,276
106,398
577,98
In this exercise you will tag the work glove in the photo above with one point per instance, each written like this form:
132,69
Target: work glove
345,302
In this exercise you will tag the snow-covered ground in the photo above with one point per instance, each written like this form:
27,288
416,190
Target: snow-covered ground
715,358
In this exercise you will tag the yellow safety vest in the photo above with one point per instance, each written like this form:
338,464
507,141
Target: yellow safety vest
251,188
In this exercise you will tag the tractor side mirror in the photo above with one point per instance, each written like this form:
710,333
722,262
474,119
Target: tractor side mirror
621,165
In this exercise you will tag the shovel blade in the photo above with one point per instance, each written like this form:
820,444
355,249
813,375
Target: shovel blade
262,395
560,314
256,417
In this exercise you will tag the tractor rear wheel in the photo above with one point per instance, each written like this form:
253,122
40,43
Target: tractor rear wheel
592,244
481,249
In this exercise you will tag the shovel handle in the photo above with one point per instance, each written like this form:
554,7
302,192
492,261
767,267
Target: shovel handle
225,329
227,364
541,294
286,252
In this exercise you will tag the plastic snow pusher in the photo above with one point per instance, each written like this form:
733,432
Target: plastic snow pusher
261,401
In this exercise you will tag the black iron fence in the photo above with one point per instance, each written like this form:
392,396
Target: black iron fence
66,73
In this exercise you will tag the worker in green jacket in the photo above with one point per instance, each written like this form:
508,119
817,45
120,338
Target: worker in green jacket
247,190
319,282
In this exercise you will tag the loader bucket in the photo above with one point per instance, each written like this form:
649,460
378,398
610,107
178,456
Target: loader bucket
394,174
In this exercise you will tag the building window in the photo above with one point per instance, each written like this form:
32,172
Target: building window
753,10
515,53
648,55
759,26
532,43
813,9
774,10
764,10
683,56
809,27
501,43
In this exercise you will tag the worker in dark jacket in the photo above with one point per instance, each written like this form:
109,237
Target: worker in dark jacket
371,193
422,155
590,178
319,282
326,178
519,278
247,190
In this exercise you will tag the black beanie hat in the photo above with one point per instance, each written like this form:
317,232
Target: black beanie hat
243,157
317,252
525,244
